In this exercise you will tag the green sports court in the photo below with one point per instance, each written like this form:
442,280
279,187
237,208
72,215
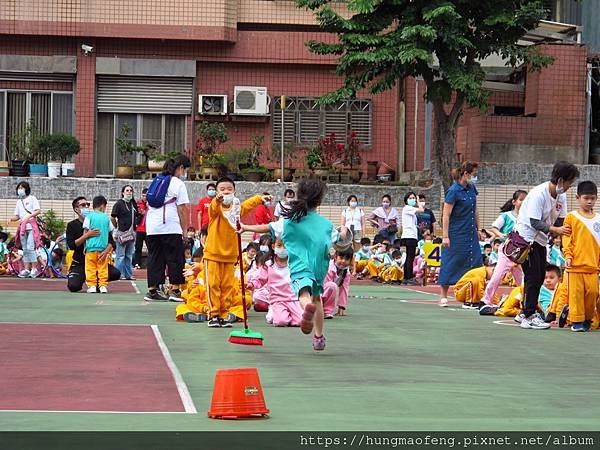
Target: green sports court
397,361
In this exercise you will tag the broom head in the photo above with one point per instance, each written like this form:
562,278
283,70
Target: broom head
246,337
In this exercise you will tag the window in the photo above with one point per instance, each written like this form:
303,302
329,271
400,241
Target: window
165,132
304,120
50,112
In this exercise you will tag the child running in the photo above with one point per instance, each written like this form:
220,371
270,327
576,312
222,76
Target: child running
307,237
96,256
582,257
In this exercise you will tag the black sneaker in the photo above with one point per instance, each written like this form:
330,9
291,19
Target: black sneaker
214,323
225,323
175,296
487,310
550,317
192,317
587,325
155,295
564,315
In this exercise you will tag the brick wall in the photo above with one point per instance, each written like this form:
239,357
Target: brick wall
85,113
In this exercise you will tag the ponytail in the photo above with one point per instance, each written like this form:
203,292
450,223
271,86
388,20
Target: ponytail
172,164
508,206
465,167
309,196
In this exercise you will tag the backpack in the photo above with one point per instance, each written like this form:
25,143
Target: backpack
158,190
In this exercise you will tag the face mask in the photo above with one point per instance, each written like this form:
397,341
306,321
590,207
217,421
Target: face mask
21,193
411,202
212,193
267,203
85,212
365,249
228,199
560,190
398,261
474,179
183,177
353,204
264,248
281,252
188,260
385,205
127,197
339,267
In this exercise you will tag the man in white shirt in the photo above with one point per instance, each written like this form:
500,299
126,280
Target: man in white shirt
541,213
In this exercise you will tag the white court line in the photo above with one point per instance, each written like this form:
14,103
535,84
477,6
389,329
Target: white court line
137,291
182,388
87,412
510,324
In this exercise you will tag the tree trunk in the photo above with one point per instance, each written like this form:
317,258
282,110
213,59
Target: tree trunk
445,147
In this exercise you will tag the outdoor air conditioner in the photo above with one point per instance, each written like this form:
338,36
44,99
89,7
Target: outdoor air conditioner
212,104
250,100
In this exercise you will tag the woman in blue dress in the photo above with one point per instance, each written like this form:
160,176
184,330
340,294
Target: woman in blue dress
460,240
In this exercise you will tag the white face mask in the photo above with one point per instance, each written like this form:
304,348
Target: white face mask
228,199
281,253
21,193
353,204
560,190
212,192
264,248
474,179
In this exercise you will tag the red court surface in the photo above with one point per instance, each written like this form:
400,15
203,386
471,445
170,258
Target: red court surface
55,284
105,368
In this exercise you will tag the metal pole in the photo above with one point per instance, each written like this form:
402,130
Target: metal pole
414,168
282,105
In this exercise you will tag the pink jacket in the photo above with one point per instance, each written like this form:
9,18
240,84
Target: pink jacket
330,292
21,231
276,279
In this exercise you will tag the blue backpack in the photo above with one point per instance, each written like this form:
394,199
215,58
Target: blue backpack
158,191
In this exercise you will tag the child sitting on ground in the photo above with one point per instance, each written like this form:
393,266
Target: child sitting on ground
394,272
260,295
284,308
470,288
3,253
379,259
337,284
361,257
249,255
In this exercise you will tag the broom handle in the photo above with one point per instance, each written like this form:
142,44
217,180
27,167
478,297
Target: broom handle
241,263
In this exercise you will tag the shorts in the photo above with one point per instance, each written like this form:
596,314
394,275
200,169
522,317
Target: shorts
316,289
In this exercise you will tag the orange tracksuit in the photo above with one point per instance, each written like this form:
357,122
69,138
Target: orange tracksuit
471,287
221,253
582,247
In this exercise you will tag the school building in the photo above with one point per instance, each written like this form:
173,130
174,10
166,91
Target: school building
88,68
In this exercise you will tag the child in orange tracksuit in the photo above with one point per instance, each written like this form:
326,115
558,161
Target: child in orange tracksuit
582,257
221,252
471,287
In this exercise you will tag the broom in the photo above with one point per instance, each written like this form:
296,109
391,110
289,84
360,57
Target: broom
245,336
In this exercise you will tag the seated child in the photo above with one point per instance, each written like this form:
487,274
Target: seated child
195,308
379,258
394,272
337,284
284,307
493,257
248,256
260,295
471,287
426,238
555,253
361,257
57,256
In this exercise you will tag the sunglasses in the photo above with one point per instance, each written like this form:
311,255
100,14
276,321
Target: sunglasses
84,205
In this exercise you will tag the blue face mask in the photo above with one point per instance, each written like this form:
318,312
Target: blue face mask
183,177
267,203
281,253
411,202
212,192
228,199
85,212
474,179
188,260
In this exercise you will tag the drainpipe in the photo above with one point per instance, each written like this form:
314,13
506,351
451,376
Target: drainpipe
588,112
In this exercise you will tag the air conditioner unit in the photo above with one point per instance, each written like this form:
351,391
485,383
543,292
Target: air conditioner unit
212,104
250,100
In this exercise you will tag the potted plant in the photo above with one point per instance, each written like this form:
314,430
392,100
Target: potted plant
126,148
210,136
315,160
20,149
59,148
289,152
255,171
54,225
352,158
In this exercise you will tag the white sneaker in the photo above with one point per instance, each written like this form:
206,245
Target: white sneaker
34,273
534,322
443,302
103,290
519,317
24,273
92,290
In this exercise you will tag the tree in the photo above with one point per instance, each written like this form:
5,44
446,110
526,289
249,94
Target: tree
384,41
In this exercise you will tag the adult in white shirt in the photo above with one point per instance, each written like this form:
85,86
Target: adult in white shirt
288,196
541,213
28,233
165,228
409,237
353,218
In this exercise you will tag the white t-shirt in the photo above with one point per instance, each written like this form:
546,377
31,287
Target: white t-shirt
353,218
409,222
539,204
26,206
278,209
171,225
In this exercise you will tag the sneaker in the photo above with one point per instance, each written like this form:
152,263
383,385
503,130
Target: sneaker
443,302
319,343
175,296
328,316
155,296
564,315
487,310
131,278
469,306
92,290
578,326
34,273
103,290
137,267
411,282
534,322
194,317
306,324
519,317
550,317
24,273
225,323
214,323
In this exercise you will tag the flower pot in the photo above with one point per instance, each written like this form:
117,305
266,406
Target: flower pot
354,175
54,169
595,158
124,172
19,168
207,173
253,176
68,169
4,168
38,170
155,166
287,175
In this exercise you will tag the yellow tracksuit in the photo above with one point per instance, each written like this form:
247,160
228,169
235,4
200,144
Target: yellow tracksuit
582,247
96,271
513,305
221,253
391,272
471,287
